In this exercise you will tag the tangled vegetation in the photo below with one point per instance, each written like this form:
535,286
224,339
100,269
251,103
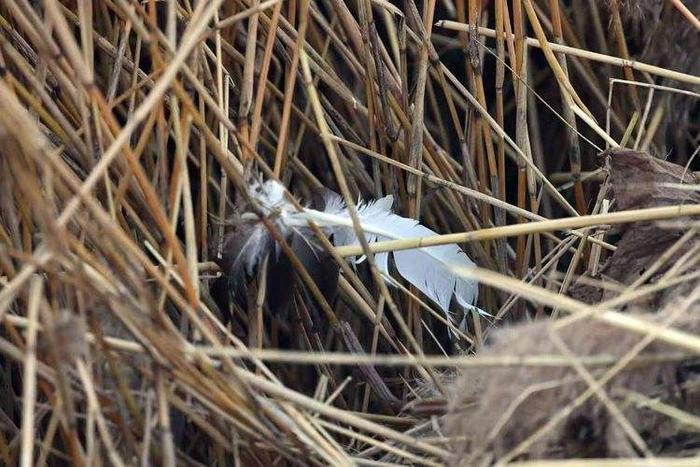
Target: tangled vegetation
179,286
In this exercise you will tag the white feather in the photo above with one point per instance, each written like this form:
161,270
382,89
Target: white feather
253,250
428,269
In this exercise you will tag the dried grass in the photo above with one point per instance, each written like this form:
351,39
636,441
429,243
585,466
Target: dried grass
130,130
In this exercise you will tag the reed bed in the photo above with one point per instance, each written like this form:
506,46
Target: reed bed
555,142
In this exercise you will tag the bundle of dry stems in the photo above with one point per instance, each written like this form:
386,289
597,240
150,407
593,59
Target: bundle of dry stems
132,133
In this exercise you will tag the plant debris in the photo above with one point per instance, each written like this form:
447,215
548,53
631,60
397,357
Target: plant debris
165,300
500,411
637,180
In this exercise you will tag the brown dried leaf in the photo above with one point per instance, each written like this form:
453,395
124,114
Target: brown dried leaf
638,180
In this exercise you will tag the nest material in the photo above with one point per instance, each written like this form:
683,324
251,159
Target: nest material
636,181
514,403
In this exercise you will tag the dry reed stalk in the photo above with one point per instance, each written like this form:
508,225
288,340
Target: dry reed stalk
130,134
